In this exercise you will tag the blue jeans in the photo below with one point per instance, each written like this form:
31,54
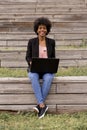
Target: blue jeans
41,91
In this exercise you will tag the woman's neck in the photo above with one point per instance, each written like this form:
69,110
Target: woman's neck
41,38
42,41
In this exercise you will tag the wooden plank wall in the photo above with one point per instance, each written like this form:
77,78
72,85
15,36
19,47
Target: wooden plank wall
69,20
67,94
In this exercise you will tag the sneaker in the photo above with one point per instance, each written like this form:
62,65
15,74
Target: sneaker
42,112
37,108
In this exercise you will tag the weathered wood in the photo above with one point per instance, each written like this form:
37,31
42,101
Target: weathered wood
67,99
71,108
60,27
16,54
72,54
13,55
77,63
67,94
21,88
17,58
71,36
64,1
42,8
23,43
58,36
80,2
63,63
13,64
71,87
69,43
52,108
55,99
66,87
54,18
27,108
69,20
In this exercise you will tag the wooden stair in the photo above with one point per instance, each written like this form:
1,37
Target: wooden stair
67,94
69,20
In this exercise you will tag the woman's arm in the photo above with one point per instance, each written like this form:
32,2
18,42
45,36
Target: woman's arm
29,52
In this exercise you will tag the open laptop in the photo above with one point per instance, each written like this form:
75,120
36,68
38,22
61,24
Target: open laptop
44,65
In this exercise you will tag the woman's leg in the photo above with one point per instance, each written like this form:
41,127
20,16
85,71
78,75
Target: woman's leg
46,85
34,77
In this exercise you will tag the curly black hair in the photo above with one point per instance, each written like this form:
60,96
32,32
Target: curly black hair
42,21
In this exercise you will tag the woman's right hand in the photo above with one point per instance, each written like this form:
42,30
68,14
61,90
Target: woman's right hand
30,62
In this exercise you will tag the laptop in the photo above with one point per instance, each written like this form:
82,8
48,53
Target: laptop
44,65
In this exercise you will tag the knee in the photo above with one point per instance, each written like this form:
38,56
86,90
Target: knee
48,77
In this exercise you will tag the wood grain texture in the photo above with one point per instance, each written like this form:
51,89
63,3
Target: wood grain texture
67,94
16,58
69,27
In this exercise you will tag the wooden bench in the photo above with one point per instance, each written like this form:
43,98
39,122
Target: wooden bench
67,94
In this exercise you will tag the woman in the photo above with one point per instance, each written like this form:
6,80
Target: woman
41,47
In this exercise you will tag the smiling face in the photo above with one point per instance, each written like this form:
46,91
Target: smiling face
42,30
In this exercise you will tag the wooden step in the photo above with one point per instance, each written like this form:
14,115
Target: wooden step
16,58
28,35
67,94
7,44
57,27
45,8
69,20
75,2
53,17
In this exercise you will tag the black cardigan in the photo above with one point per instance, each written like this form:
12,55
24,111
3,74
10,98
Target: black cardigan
33,48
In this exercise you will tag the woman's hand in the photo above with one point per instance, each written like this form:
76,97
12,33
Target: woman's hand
30,62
